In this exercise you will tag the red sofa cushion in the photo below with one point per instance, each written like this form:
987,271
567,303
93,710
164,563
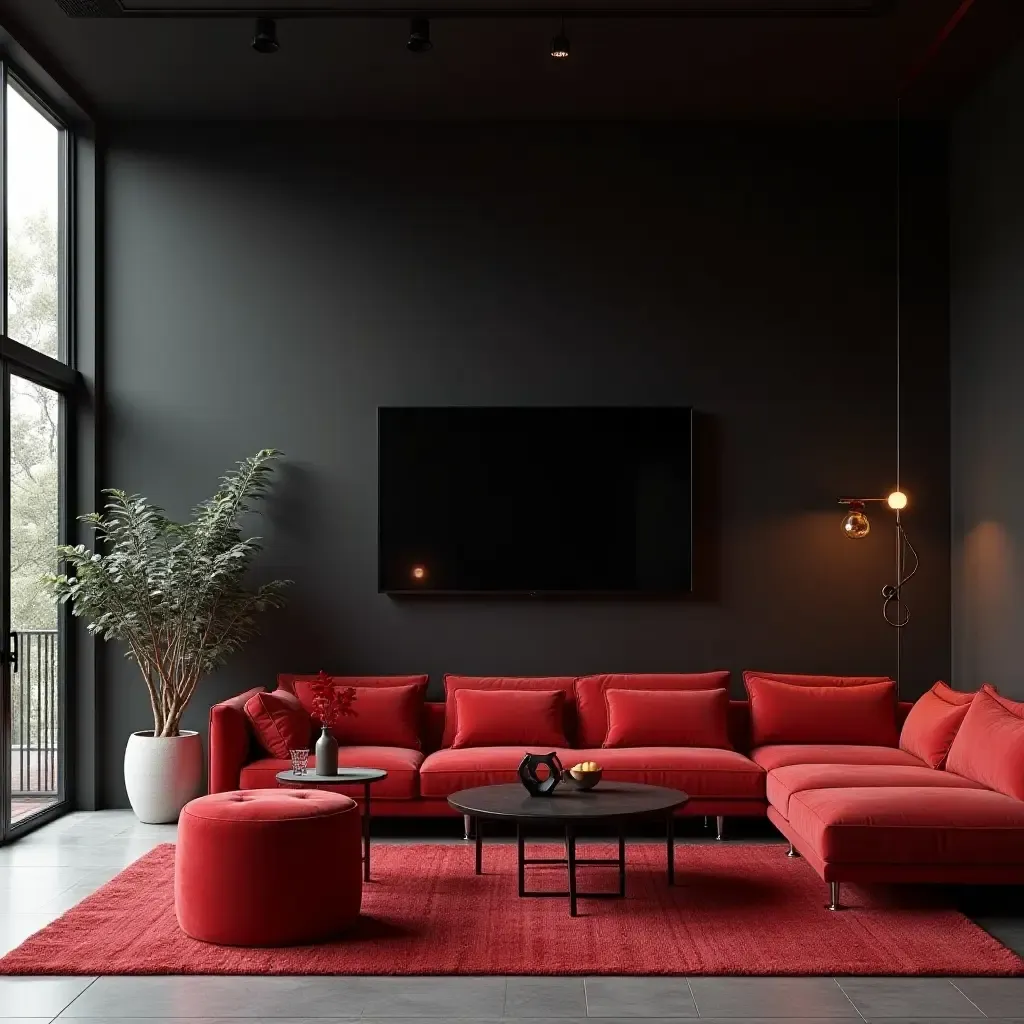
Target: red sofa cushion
951,696
932,724
797,778
279,721
787,713
779,755
806,680
385,716
910,825
452,684
448,770
701,772
495,718
668,718
401,765
593,710
989,748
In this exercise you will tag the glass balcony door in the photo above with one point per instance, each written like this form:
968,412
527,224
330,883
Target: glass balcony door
37,390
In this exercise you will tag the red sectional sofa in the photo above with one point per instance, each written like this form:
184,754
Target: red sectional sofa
875,805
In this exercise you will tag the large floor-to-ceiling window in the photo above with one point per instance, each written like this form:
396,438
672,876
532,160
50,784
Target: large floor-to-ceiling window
37,394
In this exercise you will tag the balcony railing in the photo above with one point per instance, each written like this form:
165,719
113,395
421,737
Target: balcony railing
35,715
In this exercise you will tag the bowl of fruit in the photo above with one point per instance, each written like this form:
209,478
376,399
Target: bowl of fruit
585,775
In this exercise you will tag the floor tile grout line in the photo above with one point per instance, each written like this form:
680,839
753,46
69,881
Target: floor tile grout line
967,997
849,999
689,988
77,997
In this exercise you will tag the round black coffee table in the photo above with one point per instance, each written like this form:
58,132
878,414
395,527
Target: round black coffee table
345,776
613,803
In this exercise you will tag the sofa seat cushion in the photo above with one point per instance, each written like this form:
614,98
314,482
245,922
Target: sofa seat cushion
778,755
910,825
448,770
700,772
783,783
402,766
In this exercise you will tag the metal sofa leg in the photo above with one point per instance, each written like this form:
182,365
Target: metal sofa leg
720,827
833,890
792,851
467,826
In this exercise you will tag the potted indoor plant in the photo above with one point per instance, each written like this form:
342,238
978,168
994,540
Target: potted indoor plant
175,594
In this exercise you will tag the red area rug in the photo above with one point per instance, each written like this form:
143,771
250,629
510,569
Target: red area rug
736,909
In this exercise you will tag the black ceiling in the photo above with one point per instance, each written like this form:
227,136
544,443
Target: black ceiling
847,58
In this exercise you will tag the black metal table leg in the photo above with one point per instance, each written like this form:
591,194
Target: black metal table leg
366,831
670,836
478,827
570,843
521,848
622,862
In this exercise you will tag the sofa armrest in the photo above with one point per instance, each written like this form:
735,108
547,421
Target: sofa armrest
230,742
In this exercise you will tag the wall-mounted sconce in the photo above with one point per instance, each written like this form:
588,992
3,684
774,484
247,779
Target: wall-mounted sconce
857,526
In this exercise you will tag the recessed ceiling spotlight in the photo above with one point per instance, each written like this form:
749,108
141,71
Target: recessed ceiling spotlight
419,36
560,44
265,38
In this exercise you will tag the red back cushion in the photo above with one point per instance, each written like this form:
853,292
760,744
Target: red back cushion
804,680
592,708
668,718
989,748
931,726
951,696
787,713
500,718
452,684
385,716
280,722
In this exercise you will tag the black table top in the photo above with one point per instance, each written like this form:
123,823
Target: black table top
610,800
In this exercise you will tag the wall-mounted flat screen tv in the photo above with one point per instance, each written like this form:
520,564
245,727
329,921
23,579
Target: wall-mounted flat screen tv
535,500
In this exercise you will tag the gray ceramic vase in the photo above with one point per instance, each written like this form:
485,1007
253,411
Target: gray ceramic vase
326,752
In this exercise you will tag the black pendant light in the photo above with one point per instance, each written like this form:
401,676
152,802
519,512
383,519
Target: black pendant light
264,39
419,36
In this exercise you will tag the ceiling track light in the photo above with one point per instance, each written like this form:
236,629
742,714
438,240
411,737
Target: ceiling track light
264,39
560,44
419,36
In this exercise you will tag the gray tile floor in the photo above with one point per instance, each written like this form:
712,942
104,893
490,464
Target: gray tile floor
49,871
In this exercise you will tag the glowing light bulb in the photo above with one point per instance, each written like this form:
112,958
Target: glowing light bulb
856,525
419,573
897,500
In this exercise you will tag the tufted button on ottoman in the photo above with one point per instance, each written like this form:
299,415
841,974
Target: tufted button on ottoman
243,869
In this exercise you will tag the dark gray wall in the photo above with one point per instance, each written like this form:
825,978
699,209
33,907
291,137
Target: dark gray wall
272,286
987,352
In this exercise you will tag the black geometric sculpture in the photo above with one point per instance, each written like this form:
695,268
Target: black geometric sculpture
528,773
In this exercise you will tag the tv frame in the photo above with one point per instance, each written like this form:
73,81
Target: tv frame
620,595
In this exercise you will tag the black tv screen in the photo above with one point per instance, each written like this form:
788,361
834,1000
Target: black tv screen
535,500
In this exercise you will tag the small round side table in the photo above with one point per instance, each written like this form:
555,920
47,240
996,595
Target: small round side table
345,777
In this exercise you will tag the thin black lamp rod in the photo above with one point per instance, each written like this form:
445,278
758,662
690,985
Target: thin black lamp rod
851,501
867,9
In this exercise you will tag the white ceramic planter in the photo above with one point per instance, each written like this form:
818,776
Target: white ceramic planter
162,774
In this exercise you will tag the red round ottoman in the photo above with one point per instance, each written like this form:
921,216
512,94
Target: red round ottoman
268,867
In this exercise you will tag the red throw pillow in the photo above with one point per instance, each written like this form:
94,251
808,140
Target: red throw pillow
280,722
784,713
453,684
592,708
951,696
668,718
932,724
301,686
385,716
502,718
1014,707
989,748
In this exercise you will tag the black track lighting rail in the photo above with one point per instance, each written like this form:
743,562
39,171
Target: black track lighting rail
840,9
